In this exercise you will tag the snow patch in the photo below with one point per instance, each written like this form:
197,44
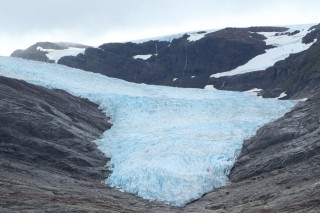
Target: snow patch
174,79
55,55
193,76
167,144
143,57
282,95
254,91
209,87
284,46
193,36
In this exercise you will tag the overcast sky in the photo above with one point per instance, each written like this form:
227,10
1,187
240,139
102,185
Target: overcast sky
93,22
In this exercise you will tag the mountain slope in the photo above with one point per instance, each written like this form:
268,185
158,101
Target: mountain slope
189,58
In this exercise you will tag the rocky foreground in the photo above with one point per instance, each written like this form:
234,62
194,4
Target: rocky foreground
49,163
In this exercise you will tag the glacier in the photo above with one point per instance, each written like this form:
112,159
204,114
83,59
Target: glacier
166,144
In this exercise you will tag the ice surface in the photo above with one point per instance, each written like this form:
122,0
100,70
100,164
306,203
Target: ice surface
143,57
285,45
55,55
166,144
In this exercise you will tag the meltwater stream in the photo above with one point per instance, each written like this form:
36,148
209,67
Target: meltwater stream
166,144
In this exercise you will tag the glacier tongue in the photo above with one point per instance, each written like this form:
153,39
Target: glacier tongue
166,144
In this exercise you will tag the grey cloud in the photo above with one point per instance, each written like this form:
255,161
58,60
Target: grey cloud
87,20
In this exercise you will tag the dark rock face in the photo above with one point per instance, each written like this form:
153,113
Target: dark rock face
33,53
48,162
216,52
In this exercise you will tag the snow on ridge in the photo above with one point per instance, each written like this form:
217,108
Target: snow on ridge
193,36
284,46
143,57
55,55
166,144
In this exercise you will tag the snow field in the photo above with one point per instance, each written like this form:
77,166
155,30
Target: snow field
55,55
284,46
